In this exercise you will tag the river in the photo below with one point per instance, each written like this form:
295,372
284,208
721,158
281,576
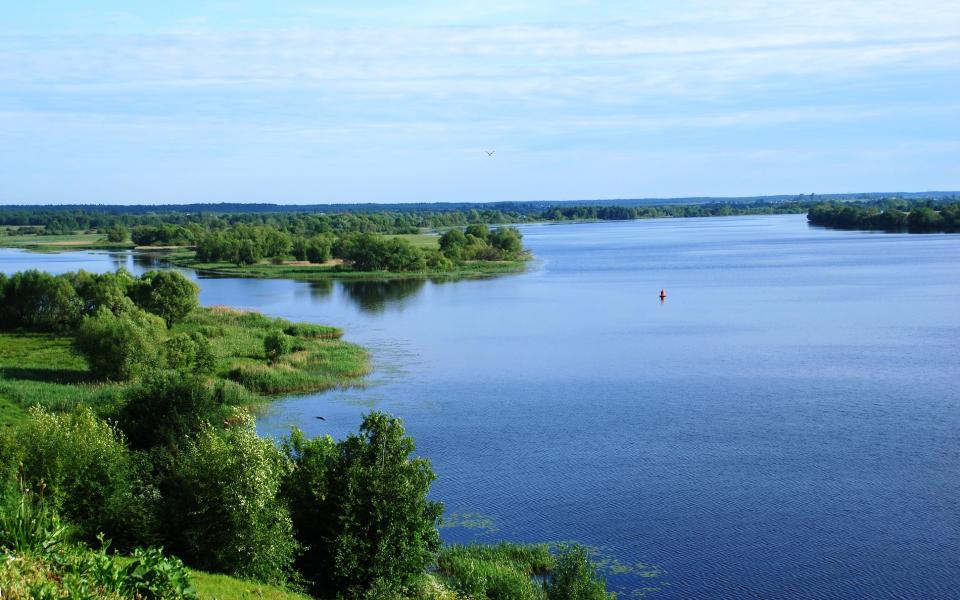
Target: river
786,424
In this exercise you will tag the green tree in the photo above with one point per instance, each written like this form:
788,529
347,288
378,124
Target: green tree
117,233
363,509
478,230
41,302
166,293
507,240
452,244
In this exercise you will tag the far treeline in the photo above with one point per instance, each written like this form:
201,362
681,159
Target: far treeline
889,215
149,445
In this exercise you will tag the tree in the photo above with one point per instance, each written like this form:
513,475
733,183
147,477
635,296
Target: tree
120,347
117,233
478,230
452,243
168,294
189,353
507,240
221,505
362,508
41,302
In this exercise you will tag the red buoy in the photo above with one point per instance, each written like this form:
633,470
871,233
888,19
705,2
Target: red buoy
663,294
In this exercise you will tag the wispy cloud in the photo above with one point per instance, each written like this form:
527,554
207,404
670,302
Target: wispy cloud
576,77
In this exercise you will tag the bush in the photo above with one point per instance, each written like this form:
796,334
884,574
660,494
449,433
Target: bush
86,471
276,344
168,294
189,353
120,347
166,408
221,509
361,508
575,578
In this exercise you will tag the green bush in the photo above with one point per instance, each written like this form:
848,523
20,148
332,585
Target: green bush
86,472
189,353
575,578
221,510
165,408
276,344
40,302
120,347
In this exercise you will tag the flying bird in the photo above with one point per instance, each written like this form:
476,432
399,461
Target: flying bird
489,152
321,418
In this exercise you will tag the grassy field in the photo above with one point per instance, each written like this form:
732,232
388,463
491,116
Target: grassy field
55,243
427,241
45,370
222,587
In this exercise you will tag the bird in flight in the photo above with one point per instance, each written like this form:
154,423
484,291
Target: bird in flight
489,152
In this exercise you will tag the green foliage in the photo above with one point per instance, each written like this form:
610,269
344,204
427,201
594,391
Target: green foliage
918,217
165,408
85,470
499,572
575,578
478,230
168,294
27,522
189,353
117,233
222,507
313,331
276,344
39,302
362,508
120,347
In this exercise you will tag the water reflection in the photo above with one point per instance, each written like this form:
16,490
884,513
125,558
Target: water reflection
321,290
375,296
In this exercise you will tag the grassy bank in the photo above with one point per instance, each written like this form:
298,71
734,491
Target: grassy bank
43,369
335,270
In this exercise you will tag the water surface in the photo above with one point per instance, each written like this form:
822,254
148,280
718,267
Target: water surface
784,425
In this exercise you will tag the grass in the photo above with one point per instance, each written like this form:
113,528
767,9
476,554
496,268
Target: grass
426,241
266,269
495,571
222,587
45,370
54,243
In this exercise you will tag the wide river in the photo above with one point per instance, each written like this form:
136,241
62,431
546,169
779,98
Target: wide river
785,425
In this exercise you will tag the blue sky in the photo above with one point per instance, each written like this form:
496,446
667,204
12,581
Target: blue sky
302,102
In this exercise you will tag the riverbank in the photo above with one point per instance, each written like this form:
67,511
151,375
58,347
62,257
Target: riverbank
336,270
45,369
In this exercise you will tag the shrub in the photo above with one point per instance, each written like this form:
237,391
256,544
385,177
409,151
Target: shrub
165,408
276,344
189,352
87,472
575,578
221,509
117,233
120,347
168,294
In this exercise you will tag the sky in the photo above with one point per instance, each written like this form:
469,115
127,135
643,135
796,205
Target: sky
283,101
